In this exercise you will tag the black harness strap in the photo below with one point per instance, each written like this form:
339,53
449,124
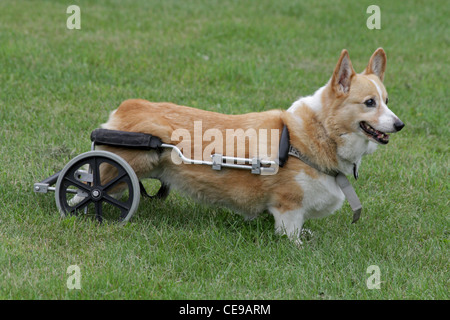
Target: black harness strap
283,151
286,150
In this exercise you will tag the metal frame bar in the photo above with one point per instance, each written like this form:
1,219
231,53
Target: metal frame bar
218,161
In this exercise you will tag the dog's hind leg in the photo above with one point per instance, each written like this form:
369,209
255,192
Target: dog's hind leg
142,163
162,193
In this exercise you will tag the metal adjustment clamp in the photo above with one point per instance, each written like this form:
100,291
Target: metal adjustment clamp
217,161
256,166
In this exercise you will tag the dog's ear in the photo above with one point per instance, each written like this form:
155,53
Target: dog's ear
377,64
343,74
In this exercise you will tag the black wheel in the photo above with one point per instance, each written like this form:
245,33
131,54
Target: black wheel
79,187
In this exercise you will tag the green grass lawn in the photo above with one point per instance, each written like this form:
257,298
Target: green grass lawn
57,85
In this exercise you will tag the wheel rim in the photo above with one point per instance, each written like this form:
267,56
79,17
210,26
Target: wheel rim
77,189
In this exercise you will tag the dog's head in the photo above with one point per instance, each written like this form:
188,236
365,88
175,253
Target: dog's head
358,102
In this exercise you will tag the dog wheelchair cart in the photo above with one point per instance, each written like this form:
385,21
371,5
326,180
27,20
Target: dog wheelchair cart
79,187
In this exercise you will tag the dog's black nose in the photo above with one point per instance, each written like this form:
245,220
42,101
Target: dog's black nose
398,125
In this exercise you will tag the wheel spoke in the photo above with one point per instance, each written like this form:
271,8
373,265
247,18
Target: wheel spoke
80,205
78,184
98,211
124,213
119,204
114,181
95,165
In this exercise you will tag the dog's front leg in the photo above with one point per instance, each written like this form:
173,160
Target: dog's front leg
289,223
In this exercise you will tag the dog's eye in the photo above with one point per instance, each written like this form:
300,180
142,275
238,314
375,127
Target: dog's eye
370,103
387,100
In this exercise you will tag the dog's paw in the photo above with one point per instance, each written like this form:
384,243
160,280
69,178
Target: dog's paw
75,200
306,235
298,243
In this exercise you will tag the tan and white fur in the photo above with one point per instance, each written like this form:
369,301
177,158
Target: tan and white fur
334,128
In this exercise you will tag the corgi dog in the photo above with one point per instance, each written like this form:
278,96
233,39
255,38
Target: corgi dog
334,128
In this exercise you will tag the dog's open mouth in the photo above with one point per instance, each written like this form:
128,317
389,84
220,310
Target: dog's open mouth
378,136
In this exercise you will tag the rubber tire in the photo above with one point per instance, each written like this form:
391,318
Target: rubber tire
112,156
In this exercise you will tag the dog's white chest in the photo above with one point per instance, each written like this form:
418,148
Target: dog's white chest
321,196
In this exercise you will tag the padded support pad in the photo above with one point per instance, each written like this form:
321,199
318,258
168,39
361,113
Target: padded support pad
125,139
